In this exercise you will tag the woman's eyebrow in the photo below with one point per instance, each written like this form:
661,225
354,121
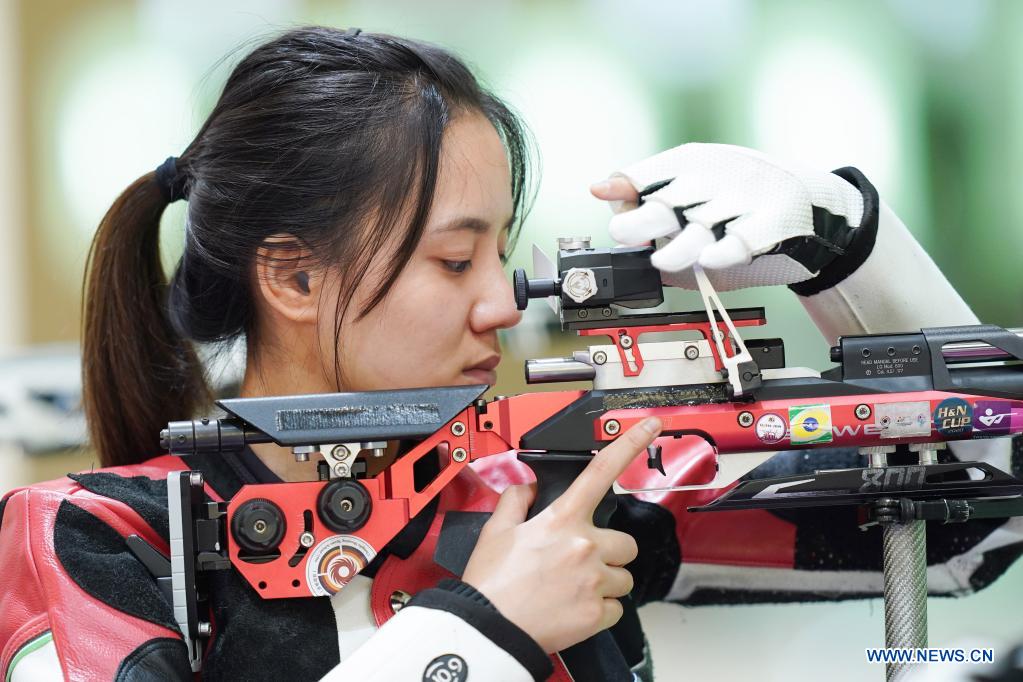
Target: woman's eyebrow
471,223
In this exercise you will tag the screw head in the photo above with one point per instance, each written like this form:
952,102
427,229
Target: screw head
612,427
692,352
626,341
398,600
582,314
340,451
745,419
346,505
458,429
259,526
599,358
863,411
340,470
306,539
606,312
459,454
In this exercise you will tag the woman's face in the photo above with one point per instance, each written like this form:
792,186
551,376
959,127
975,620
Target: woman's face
437,325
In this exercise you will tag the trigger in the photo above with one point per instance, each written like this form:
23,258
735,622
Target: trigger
653,458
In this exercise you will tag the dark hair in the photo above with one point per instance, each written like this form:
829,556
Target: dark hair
332,137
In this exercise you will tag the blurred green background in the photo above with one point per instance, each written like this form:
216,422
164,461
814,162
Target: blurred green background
924,96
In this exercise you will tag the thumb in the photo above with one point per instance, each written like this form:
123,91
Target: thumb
512,508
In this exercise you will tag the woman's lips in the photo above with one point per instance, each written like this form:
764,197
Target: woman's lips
481,376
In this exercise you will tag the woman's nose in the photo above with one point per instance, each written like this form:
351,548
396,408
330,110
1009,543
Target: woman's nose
495,306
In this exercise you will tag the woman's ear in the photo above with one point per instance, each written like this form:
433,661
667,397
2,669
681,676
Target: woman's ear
288,279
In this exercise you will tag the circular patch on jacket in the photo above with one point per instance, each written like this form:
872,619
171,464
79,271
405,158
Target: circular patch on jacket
446,668
334,562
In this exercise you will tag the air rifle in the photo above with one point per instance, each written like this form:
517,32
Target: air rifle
920,389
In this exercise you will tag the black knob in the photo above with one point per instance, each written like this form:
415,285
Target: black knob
521,285
258,526
836,353
344,506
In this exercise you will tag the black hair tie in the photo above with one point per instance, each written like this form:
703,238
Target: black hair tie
170,182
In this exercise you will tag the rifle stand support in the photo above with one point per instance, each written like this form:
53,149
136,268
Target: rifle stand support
905,566
905,590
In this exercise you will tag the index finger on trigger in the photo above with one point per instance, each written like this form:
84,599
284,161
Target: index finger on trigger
592,484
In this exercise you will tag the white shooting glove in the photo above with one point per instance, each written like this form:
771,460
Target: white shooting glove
747,219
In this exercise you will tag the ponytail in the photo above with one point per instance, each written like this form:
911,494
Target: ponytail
137,371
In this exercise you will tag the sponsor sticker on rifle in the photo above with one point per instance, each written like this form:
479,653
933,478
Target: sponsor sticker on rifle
952,417
996,417
901,420
810,424
771,428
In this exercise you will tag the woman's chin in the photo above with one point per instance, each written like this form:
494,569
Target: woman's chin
479,376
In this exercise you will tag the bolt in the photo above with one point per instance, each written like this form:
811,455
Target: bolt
458,429
626,341
459,454
398,600
204,629
891,351
346,505
340,470
865,352
746,419
340,452
599,358
611,427
916,350
606,312
306,539
259,526
863,412
195,479
582,314
692,352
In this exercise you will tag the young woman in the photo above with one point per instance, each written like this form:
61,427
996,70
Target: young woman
350,199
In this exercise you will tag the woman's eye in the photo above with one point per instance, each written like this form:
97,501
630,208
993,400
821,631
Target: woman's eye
457,266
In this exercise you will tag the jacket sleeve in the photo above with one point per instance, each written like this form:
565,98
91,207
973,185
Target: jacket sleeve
803,555
64,612
450,632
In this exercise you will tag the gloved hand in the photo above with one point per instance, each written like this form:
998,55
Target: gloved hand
746,218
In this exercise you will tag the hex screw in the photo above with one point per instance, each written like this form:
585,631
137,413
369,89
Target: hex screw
459,454
612,427
599,358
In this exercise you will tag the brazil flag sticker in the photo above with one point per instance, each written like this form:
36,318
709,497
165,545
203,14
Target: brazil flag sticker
810,424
